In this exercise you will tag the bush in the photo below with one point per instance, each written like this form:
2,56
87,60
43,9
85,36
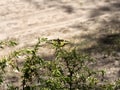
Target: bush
69,70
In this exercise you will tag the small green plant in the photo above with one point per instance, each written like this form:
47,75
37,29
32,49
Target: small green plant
2,69
31,67
8,43
69,70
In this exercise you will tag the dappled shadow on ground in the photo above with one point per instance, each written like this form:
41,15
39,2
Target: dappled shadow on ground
103,9
106,18
107,43
51,3
108,32
111,40
68,9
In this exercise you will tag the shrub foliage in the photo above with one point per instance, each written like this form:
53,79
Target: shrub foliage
69,70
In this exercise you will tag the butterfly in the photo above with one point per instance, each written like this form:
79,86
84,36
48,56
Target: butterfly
58,42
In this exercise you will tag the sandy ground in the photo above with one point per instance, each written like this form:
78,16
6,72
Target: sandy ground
26,20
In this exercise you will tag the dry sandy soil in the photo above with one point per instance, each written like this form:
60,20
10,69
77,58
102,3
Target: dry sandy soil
73,20
26,20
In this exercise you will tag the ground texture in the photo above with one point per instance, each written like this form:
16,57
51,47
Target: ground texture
91,25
